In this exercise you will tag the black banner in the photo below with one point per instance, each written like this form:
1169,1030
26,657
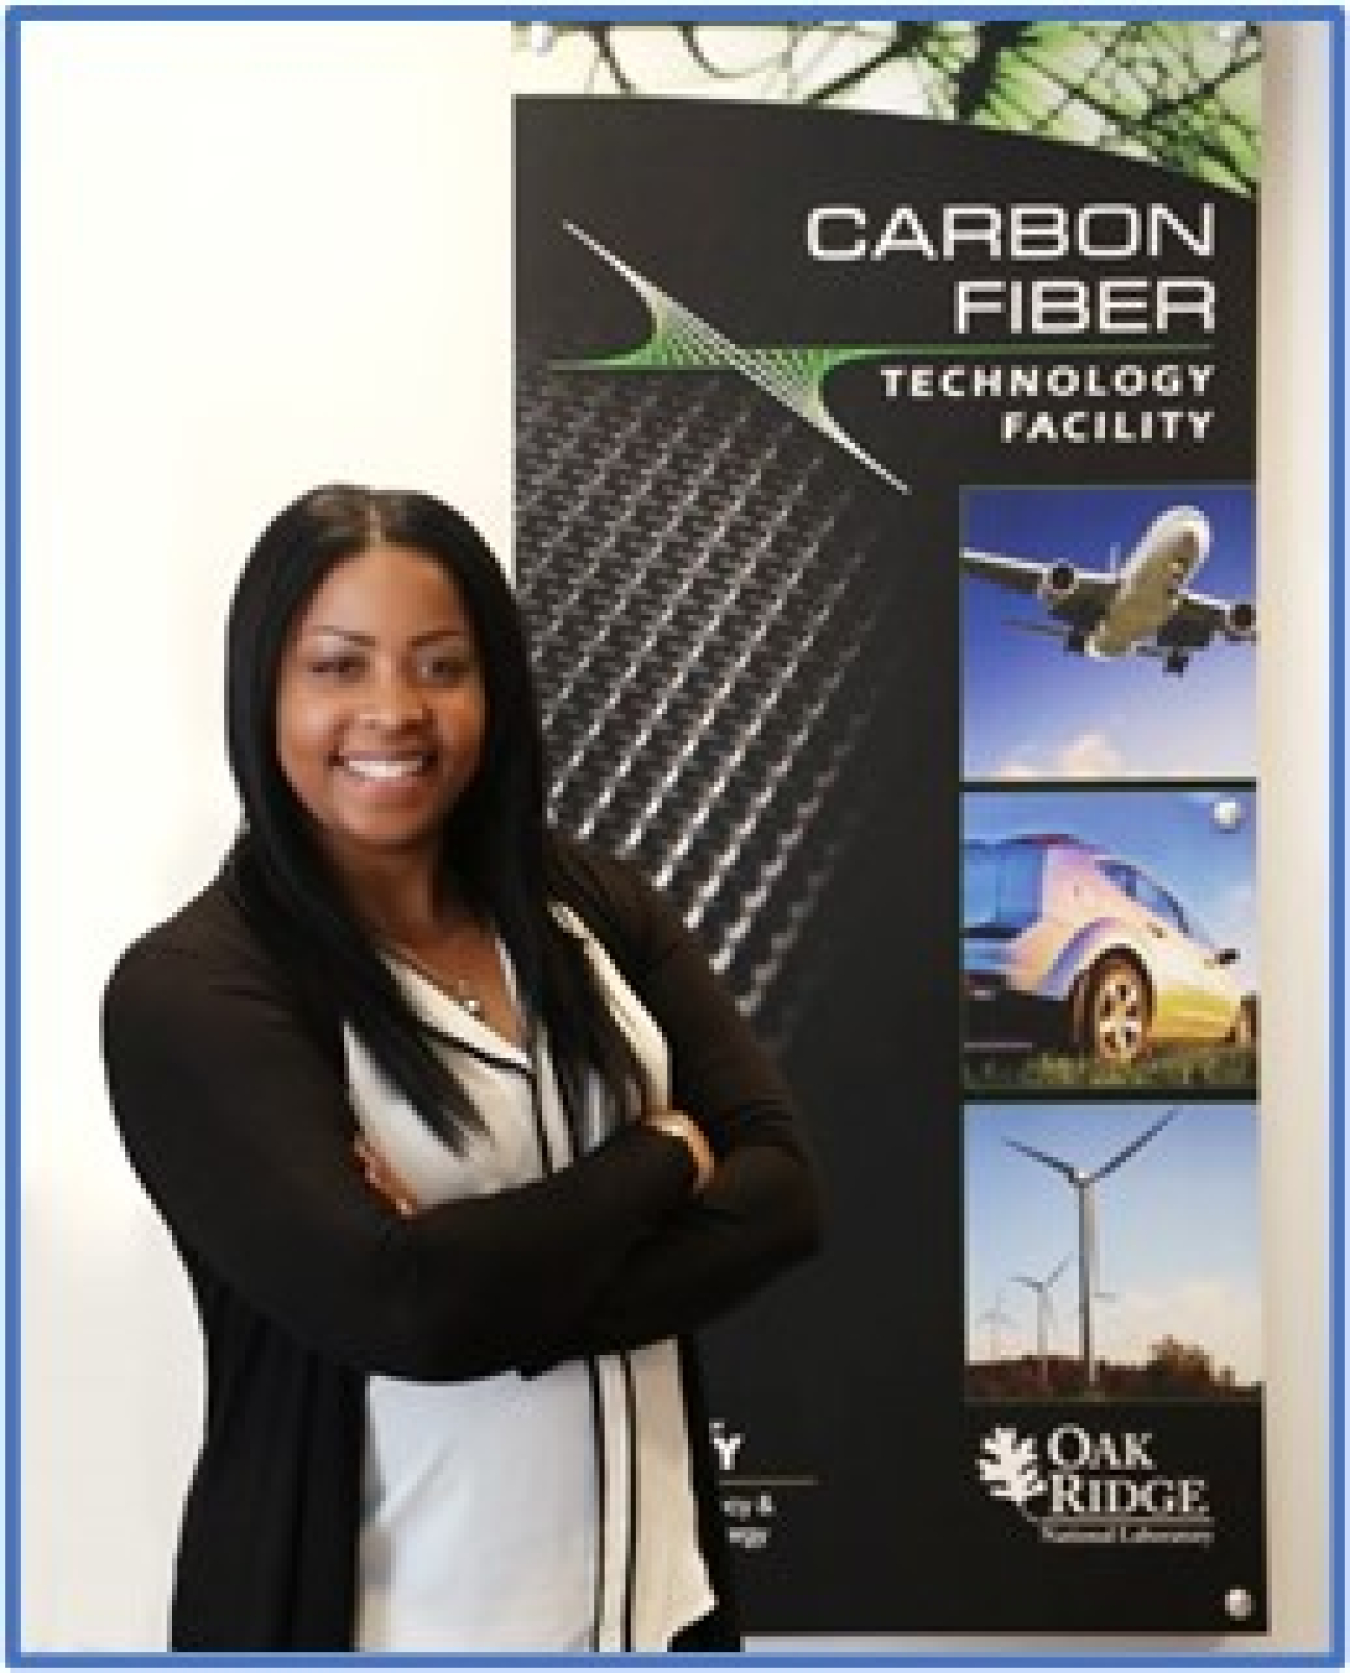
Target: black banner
786,376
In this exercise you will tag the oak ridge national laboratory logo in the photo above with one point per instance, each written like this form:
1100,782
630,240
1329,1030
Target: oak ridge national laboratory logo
1077,1487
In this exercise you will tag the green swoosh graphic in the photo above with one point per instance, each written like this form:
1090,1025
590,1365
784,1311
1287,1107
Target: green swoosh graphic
681,341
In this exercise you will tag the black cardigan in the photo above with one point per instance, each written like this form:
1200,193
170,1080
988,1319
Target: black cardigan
227,1078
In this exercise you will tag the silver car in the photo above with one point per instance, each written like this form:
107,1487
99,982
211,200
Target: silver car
1065,945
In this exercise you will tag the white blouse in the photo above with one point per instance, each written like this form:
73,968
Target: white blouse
551,1513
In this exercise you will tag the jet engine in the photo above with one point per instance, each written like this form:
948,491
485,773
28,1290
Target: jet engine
1059,582
1239,620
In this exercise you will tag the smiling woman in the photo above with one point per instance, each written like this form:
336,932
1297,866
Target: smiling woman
381,709
457,1136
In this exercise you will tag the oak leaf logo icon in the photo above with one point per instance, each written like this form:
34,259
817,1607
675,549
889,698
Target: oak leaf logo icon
1010,1468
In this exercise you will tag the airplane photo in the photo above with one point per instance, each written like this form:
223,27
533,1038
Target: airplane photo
1142,605
1102,567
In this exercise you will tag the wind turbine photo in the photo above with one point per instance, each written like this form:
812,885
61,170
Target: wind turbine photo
1163,1224
1084,1183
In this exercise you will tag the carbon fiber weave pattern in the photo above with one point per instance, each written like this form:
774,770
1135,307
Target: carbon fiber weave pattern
707,611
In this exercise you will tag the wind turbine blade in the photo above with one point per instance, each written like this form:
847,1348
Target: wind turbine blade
1131,1149
1059,1270
1049,1161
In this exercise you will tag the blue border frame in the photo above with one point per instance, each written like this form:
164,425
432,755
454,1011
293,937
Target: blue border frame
395,13
1338,626
12,840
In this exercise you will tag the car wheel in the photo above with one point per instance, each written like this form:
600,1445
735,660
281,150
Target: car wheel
1114,1016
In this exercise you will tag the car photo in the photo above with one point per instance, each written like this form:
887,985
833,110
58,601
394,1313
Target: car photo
1068,947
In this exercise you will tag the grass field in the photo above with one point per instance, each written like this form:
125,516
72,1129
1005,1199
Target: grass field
1183,1068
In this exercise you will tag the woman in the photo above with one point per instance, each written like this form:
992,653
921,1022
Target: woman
457,1138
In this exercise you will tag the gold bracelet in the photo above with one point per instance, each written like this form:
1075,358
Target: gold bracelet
682,1127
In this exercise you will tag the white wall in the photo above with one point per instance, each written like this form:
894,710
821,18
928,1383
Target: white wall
259,255
255,256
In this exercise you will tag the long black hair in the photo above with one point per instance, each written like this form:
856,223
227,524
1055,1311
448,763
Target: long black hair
494,840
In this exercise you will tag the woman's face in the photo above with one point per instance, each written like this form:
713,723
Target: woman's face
381,709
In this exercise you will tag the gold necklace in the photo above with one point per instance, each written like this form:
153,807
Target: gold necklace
468,1001
457,989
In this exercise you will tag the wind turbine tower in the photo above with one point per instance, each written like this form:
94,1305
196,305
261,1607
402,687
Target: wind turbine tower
1042,1288
995,1317
1085,1187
